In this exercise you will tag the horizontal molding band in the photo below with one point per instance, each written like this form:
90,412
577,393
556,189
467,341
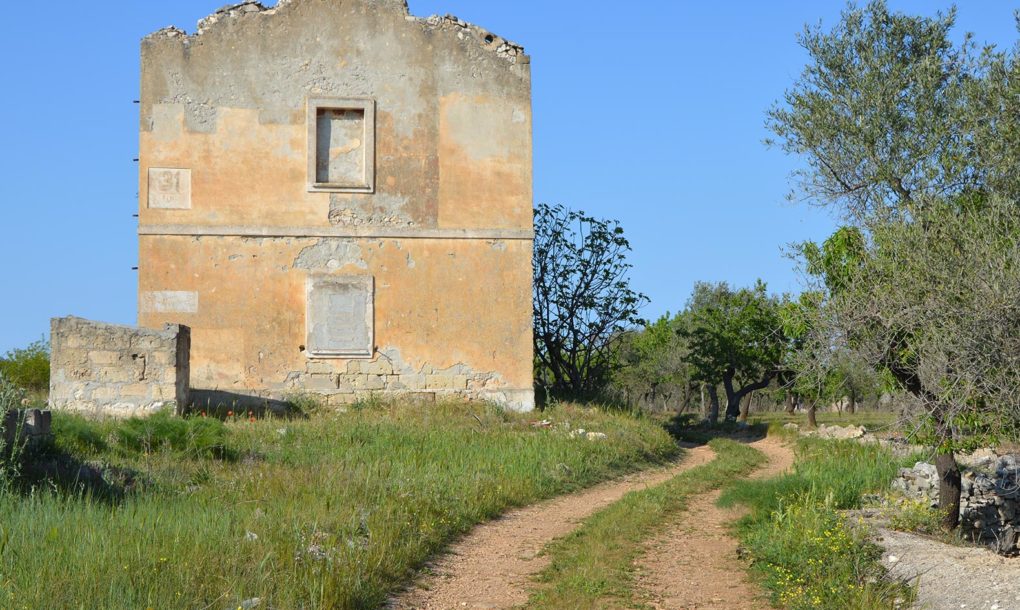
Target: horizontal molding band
353,232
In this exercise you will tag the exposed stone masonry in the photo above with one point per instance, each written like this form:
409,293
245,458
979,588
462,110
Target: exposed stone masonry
503,48
107,369
389,376
989,500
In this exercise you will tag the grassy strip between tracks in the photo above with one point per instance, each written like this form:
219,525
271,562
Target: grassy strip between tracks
593,566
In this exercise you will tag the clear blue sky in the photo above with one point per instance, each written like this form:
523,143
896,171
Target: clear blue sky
650,112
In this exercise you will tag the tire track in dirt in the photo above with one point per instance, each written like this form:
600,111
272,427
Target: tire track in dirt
493,566
694,563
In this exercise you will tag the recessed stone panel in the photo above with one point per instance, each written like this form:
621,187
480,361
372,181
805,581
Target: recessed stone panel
169,301
341,145
340,316
169,189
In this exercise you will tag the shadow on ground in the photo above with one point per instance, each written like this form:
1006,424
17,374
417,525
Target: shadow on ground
47,467
220,404
689,428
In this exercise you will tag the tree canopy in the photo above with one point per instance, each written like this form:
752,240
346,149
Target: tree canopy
735,338
914,141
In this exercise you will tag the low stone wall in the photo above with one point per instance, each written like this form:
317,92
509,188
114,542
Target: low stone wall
107,369
989,498
990,486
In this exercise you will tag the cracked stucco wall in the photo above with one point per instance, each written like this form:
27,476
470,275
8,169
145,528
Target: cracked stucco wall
446,232
107,369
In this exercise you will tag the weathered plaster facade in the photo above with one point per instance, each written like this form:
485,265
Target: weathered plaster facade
336,197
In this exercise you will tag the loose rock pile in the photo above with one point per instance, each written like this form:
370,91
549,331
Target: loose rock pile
989,500
839,432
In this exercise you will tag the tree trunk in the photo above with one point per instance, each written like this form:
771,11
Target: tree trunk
732,397
790,404
949,489
713,397
732,408
851,406
812,407
745,407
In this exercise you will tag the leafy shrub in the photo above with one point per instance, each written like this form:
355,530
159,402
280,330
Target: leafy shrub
10,394
201,436
918,517
28,367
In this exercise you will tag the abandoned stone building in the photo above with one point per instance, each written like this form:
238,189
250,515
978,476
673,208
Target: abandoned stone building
336,197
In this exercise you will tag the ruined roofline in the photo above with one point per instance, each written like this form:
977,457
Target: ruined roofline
505,49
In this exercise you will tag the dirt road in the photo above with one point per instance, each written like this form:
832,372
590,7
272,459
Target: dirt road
694,563
492,567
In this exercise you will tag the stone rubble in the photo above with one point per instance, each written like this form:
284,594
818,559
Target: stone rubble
504,49
838,432
511,52
25,427
592,436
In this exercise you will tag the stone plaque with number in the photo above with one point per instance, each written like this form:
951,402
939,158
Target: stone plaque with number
169,189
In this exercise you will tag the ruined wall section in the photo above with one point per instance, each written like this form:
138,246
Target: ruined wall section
107,369
230,231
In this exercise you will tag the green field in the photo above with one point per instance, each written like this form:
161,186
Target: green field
334,511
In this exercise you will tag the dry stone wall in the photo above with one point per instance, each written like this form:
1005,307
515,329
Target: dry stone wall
989,498
990,486
107,369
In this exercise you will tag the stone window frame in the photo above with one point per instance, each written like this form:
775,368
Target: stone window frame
365,282
365,105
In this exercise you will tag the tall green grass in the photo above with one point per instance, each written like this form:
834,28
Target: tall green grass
331,512
873,420
802,547
592,567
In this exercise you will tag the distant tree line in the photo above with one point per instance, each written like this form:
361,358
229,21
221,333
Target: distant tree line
28,367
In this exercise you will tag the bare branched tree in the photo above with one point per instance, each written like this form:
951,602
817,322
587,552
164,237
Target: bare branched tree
582,299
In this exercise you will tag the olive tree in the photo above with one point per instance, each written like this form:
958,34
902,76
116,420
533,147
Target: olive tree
914,141
652,368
